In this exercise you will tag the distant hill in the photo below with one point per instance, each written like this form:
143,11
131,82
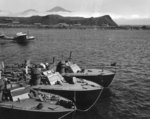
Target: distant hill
56,19
58,9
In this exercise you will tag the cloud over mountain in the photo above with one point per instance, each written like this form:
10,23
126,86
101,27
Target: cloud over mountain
27,13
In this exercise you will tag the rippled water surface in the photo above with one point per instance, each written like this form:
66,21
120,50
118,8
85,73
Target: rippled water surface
128,97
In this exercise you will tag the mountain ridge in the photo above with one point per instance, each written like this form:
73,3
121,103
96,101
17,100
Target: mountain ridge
66,13
105,20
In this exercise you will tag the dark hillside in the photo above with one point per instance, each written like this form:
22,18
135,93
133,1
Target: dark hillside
56,19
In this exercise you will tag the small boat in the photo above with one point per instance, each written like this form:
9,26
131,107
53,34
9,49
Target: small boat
23,37
84,93
25,103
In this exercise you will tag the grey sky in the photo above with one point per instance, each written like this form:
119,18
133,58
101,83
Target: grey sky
135,8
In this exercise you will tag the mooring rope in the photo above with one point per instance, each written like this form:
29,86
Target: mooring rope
74,97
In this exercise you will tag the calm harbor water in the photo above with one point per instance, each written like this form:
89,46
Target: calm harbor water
128,97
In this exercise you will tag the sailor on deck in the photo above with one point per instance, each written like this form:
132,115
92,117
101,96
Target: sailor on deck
63,67
35,76
60,67
25,70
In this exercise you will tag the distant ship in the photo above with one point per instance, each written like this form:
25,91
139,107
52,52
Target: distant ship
22,37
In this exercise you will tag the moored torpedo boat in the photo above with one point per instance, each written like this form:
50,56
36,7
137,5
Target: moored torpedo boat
100,76
84,93
25,103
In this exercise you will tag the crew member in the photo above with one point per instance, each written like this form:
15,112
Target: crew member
35,76
60,67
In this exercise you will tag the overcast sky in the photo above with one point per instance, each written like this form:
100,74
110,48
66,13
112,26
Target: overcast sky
118,8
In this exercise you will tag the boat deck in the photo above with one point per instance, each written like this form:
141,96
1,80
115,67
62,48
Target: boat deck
91,72
32,105
79,86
